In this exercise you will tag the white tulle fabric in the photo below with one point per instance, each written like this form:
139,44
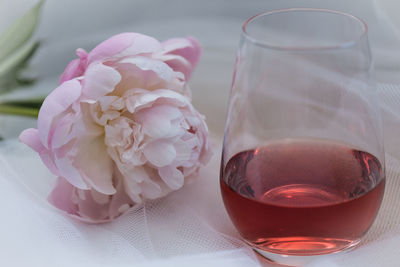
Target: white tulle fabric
179,230
187,228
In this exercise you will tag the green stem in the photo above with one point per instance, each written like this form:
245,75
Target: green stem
23,107
29,103
19,110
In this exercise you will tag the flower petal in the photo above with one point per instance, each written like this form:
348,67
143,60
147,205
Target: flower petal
147,64
138,98
132,186
120,199
99,197
124,44
188,48
61,196
69,172
55,103
91,210
92,159
148,188
160,152
71,70
183,151
171,176
156,120
61,131
31,138
151,190
99,81
76,67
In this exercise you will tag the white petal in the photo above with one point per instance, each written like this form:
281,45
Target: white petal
163,71
123,208
132,183
141,44
99,197
94,162
175,44
183,150
172,177
120,198
107,101
139,99
160,152
166,111
156,121
118,132
151,190
180,59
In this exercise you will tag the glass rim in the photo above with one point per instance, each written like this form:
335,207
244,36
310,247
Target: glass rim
343,45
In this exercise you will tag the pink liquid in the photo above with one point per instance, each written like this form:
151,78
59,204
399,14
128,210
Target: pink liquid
303,197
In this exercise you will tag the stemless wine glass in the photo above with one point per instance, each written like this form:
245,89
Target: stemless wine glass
302,170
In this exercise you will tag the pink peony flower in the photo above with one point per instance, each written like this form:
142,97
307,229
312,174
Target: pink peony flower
120,128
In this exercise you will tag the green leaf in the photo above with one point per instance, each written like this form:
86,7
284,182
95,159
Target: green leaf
9,68
19,32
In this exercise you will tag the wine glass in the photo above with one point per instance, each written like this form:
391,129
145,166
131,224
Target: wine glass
302,171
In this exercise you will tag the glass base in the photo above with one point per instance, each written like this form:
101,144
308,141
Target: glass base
300,254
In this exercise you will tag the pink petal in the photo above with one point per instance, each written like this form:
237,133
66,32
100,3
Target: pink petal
156,120
135,77
139,98
88,205
70,172
160,152
61,196
172,177
151,190
93,160
108,102
85,124
61,131
188,48
124,44
76,67
100,80
178,60
144,98
172,97
71,71
55,103
162,70
119,199
99,197
183,150
31,138
132,187
89,209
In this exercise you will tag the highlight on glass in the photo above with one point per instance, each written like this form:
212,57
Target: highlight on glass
303,168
